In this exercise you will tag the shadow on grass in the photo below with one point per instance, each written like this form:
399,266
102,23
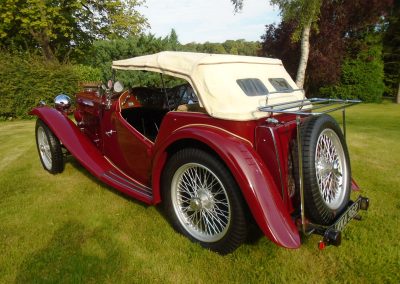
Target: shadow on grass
74,254
77,166
254,235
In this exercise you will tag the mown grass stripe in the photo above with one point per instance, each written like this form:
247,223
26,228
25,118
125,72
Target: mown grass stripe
71,228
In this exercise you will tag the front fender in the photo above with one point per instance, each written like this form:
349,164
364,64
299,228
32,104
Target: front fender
73,139
251,174
89,156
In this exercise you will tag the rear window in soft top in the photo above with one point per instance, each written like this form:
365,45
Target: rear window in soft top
280,84
252,87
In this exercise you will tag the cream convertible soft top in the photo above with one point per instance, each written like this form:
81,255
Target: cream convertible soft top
213,76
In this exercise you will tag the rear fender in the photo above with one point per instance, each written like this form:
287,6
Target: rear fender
251,174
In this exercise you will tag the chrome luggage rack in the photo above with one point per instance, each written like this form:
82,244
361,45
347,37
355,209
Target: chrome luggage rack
302,108
307,106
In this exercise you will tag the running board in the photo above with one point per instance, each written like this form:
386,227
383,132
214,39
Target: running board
132,188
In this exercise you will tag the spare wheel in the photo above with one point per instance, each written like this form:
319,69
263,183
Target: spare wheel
326,169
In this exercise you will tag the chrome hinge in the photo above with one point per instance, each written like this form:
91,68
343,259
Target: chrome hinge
110,132
272,120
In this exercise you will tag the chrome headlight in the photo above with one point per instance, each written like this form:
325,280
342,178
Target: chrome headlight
62,102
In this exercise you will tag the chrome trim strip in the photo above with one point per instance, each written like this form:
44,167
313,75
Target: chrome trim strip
133,184
133,189
279,161
127,177
300,158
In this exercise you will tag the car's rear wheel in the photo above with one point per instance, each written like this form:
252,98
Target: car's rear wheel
203,201
326,169
49,148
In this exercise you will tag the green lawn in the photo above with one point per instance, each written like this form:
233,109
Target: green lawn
72,228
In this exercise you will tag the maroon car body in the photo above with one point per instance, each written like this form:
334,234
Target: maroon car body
258,152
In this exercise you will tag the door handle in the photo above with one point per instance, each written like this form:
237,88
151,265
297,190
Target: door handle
110,132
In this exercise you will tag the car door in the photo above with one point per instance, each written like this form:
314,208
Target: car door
128,149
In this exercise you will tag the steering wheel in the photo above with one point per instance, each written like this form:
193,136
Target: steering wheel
182,89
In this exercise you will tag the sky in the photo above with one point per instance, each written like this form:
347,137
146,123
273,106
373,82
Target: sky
213,20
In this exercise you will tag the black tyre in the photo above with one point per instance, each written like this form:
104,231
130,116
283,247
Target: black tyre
49,148
326,169
203,201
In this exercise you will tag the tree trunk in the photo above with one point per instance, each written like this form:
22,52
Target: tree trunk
398,95
47,52
44,42
305,50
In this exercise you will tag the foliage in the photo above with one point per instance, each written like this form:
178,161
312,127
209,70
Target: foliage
237,47
86,73
27,79
341,23
71,228
391,45
304,12
362,77
276,42
60,27
104,52
238,4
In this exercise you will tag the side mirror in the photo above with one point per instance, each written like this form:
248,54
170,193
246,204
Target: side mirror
118,87
109,84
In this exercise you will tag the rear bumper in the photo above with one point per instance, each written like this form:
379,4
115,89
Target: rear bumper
332,234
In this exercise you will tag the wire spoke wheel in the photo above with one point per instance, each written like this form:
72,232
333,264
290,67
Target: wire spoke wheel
49,148
330,168
201,202
326,169
44,147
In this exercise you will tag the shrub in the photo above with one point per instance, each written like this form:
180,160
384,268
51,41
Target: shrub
87,73
362,77
27,79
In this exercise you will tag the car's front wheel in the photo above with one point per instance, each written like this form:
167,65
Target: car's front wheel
203,201
49,148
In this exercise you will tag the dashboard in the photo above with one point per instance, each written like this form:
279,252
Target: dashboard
167,99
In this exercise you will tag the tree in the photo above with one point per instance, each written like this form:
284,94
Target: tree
173,40
306,14
340,25
276,42
362,73
237,47
391,45
58,27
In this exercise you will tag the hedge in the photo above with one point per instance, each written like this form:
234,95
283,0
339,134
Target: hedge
27,79
362,76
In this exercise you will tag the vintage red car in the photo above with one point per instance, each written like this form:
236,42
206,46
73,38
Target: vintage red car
234,143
